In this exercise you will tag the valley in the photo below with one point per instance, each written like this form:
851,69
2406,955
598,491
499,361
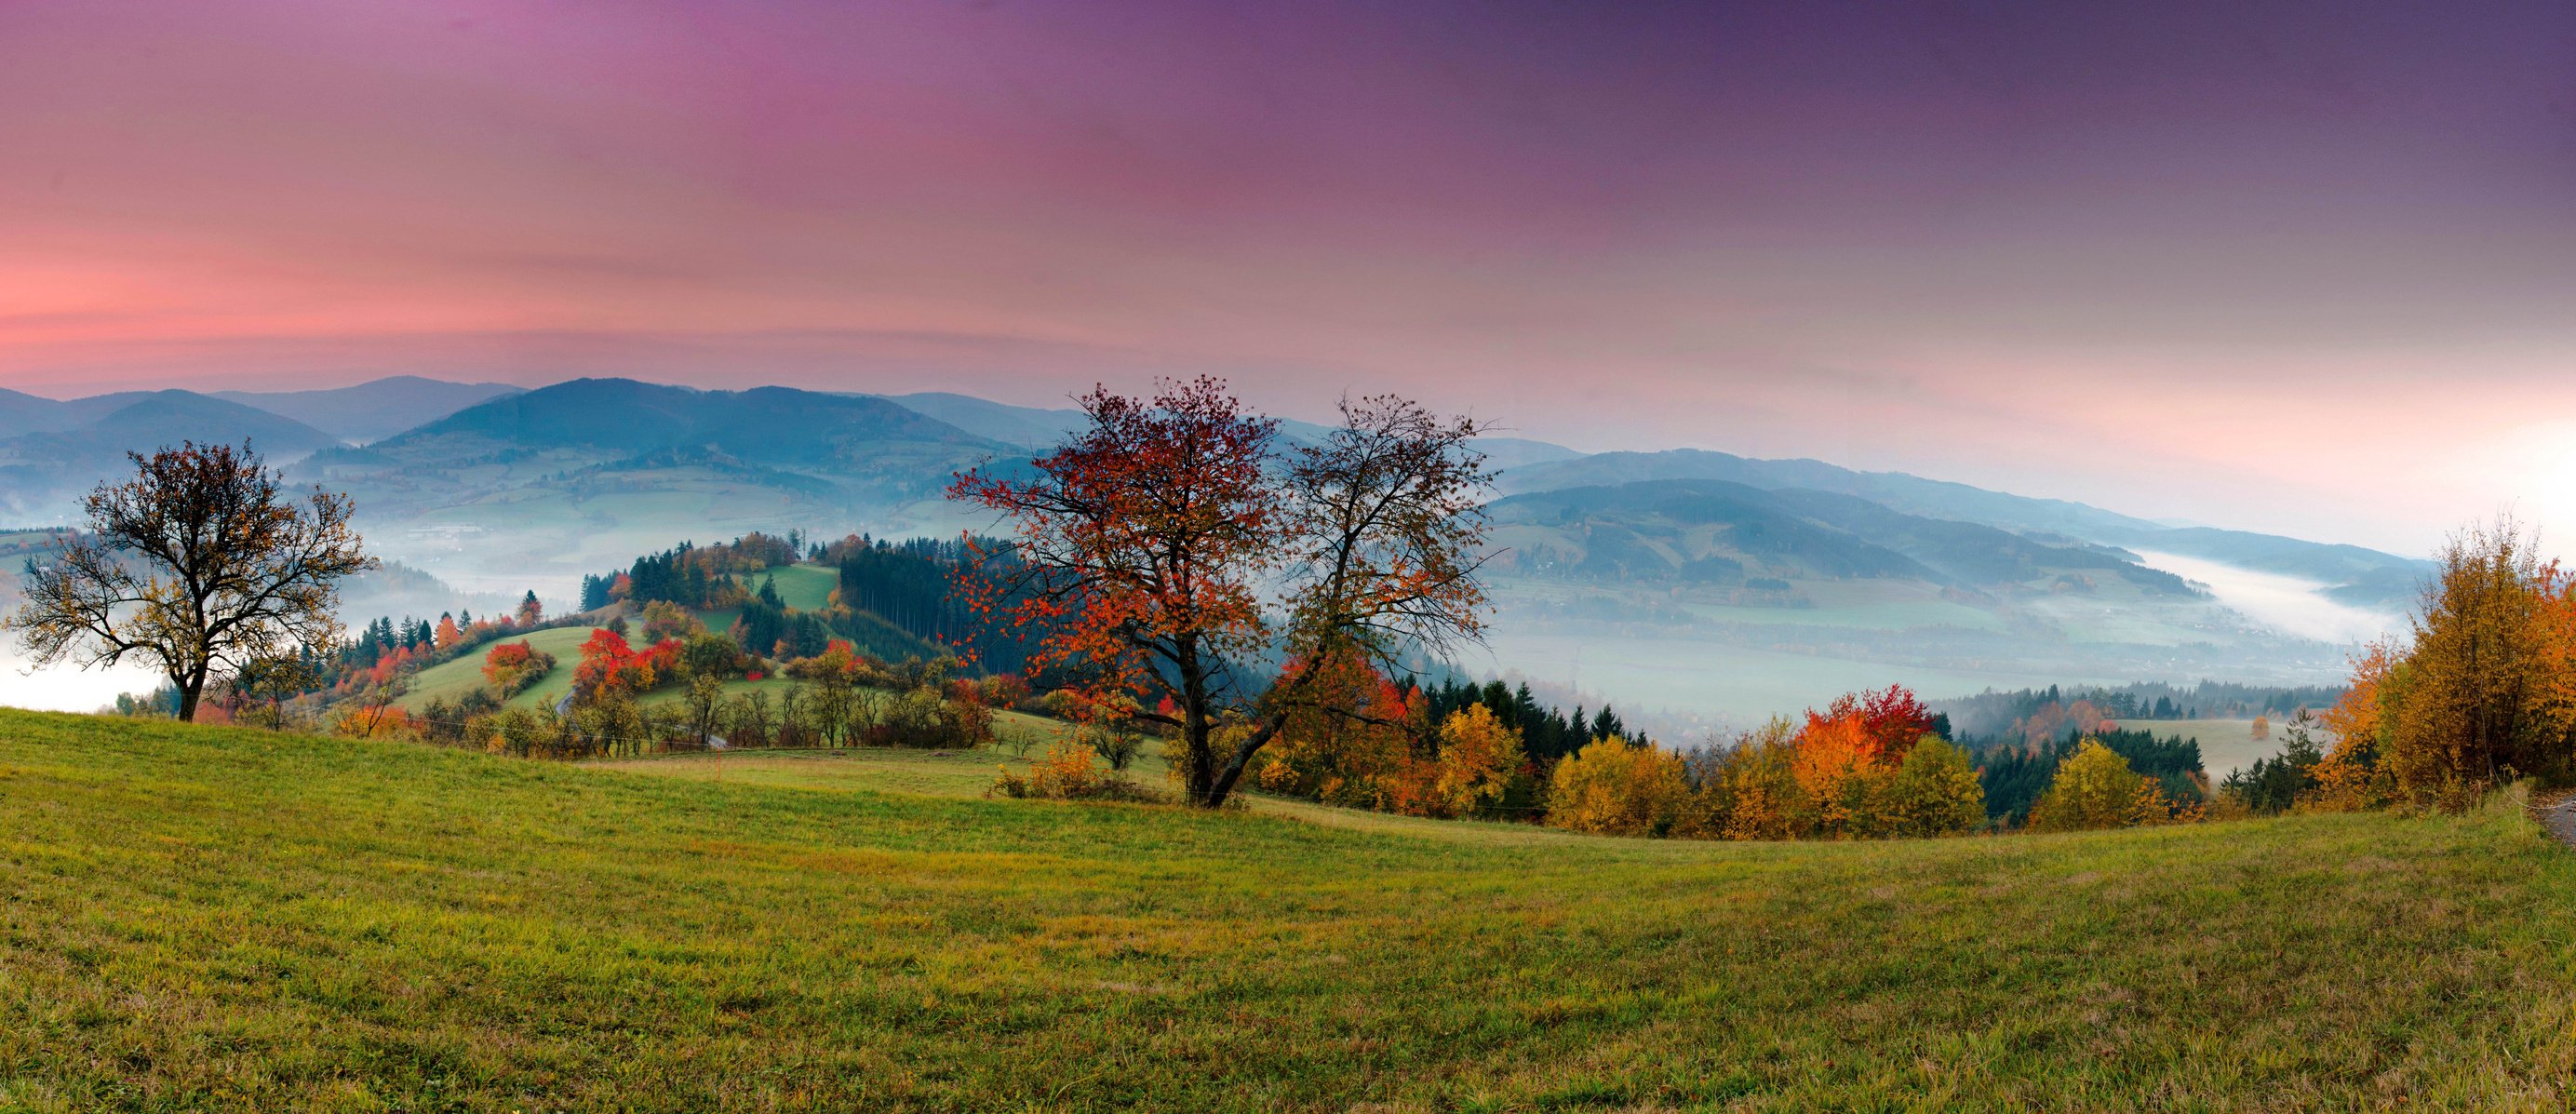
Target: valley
1700,588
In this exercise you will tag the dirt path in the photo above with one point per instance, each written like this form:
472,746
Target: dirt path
2556,811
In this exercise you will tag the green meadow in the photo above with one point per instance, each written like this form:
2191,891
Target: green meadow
222,919
452,680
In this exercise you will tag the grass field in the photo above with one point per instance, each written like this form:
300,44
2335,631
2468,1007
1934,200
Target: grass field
224,919
2226,745
451,680
803,587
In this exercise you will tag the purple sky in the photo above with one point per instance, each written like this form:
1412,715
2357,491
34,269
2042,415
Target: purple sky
2297,267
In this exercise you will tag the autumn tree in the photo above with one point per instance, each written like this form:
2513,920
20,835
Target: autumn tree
1613,787
2095,788
1479,756
704,700
1348,742
531,612
201,564
1934,792
1172,541
1838,770
1753,787
2477,676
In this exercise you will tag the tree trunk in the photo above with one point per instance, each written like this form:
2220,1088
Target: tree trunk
1224,784
190,688
1199,770
1241,760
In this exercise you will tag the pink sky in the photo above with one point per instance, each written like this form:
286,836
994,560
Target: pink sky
2233,263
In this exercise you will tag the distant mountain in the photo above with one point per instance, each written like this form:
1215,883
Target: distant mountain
1035,428
374,409
1518,452
2352,574
641,445
1717,532
26,413
771,425
43,471
1029,427
1895,490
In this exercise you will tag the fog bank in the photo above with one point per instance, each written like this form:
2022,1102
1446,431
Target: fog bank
2294,605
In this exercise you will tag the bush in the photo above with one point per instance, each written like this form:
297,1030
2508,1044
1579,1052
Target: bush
1069,771
515,667
1119,740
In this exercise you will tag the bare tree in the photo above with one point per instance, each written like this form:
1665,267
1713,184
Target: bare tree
202,564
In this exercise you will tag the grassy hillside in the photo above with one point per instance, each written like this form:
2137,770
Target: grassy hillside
803,587
453,679
226,919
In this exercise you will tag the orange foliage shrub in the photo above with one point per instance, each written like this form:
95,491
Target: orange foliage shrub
376,722
1069,771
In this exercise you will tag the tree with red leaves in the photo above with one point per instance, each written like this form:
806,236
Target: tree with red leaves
1881,725
1173,539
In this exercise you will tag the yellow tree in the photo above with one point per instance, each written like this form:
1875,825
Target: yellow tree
2476,691
1836,764
2351,776
2095,788
1757,784
1479,756
1935,792
1617,788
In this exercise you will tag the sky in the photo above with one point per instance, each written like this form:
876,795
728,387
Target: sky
2305,268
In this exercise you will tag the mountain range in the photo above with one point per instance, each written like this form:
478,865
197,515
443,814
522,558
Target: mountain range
1723,533
2350,574
1702,564
51,452
372,410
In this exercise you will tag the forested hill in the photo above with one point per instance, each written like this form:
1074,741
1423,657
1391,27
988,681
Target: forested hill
662,452
2350,574
1722,533
777,426
1895,490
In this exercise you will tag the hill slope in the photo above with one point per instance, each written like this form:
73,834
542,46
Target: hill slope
1716,532
592,472
2351,574
235,919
